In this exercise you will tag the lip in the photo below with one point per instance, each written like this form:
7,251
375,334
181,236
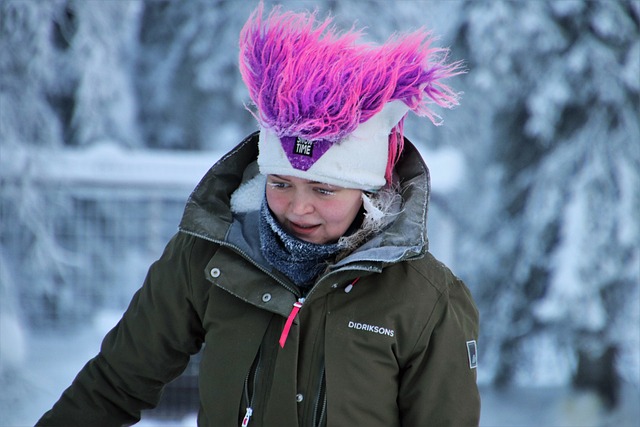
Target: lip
302,229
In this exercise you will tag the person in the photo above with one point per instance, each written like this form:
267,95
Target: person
301,268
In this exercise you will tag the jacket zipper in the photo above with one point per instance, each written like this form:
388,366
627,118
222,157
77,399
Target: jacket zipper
247,416
249,397
296,308
318,417
283,337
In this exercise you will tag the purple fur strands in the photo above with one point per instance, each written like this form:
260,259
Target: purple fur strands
308,80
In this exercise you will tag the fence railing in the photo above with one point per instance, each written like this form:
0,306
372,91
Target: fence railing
79,228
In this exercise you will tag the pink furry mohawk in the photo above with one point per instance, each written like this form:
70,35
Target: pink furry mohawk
309,81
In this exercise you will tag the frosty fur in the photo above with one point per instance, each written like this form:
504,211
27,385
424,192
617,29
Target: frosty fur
380,210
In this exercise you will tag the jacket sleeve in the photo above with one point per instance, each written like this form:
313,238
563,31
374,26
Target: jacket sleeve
438,386
150,346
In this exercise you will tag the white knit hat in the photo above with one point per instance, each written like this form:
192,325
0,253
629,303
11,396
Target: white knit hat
358,161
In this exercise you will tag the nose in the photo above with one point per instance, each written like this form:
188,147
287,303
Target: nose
301,203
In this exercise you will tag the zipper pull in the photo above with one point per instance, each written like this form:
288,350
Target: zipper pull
348,288
247,415
287,326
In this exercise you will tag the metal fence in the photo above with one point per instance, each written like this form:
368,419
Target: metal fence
79,228
78,231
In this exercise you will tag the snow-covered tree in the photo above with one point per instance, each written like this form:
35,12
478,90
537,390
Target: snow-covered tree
187,74
553,195
102,40
65,72
28,78
28,125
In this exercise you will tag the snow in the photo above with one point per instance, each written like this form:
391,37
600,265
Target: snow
446,167
562,300
13,344
107,163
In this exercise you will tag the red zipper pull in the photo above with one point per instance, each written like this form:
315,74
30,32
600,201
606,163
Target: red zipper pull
348,288
287,326
247,415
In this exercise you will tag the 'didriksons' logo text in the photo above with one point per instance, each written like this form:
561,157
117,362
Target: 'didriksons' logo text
371,328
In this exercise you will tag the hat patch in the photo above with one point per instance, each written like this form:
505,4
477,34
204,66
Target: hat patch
303,147
303,153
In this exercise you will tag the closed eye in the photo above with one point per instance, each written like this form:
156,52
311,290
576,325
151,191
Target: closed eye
325,191
278,185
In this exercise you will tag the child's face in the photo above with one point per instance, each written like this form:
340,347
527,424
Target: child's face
312,211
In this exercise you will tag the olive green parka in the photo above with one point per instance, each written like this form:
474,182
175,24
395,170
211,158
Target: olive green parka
394,348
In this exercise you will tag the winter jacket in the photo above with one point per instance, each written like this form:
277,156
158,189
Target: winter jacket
394,348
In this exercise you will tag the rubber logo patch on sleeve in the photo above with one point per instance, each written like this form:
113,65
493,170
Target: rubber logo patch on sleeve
472,352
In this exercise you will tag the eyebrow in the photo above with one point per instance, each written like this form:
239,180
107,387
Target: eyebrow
308,182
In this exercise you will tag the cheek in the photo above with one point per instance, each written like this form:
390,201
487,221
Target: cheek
276,202
341,215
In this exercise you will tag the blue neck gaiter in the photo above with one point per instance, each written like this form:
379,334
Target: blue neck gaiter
300,261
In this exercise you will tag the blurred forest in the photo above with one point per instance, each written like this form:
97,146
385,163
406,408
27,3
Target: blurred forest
547,215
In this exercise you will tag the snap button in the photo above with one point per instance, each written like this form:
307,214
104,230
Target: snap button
215,272
299,397
266,297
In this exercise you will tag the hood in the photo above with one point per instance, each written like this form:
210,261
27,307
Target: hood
208,213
